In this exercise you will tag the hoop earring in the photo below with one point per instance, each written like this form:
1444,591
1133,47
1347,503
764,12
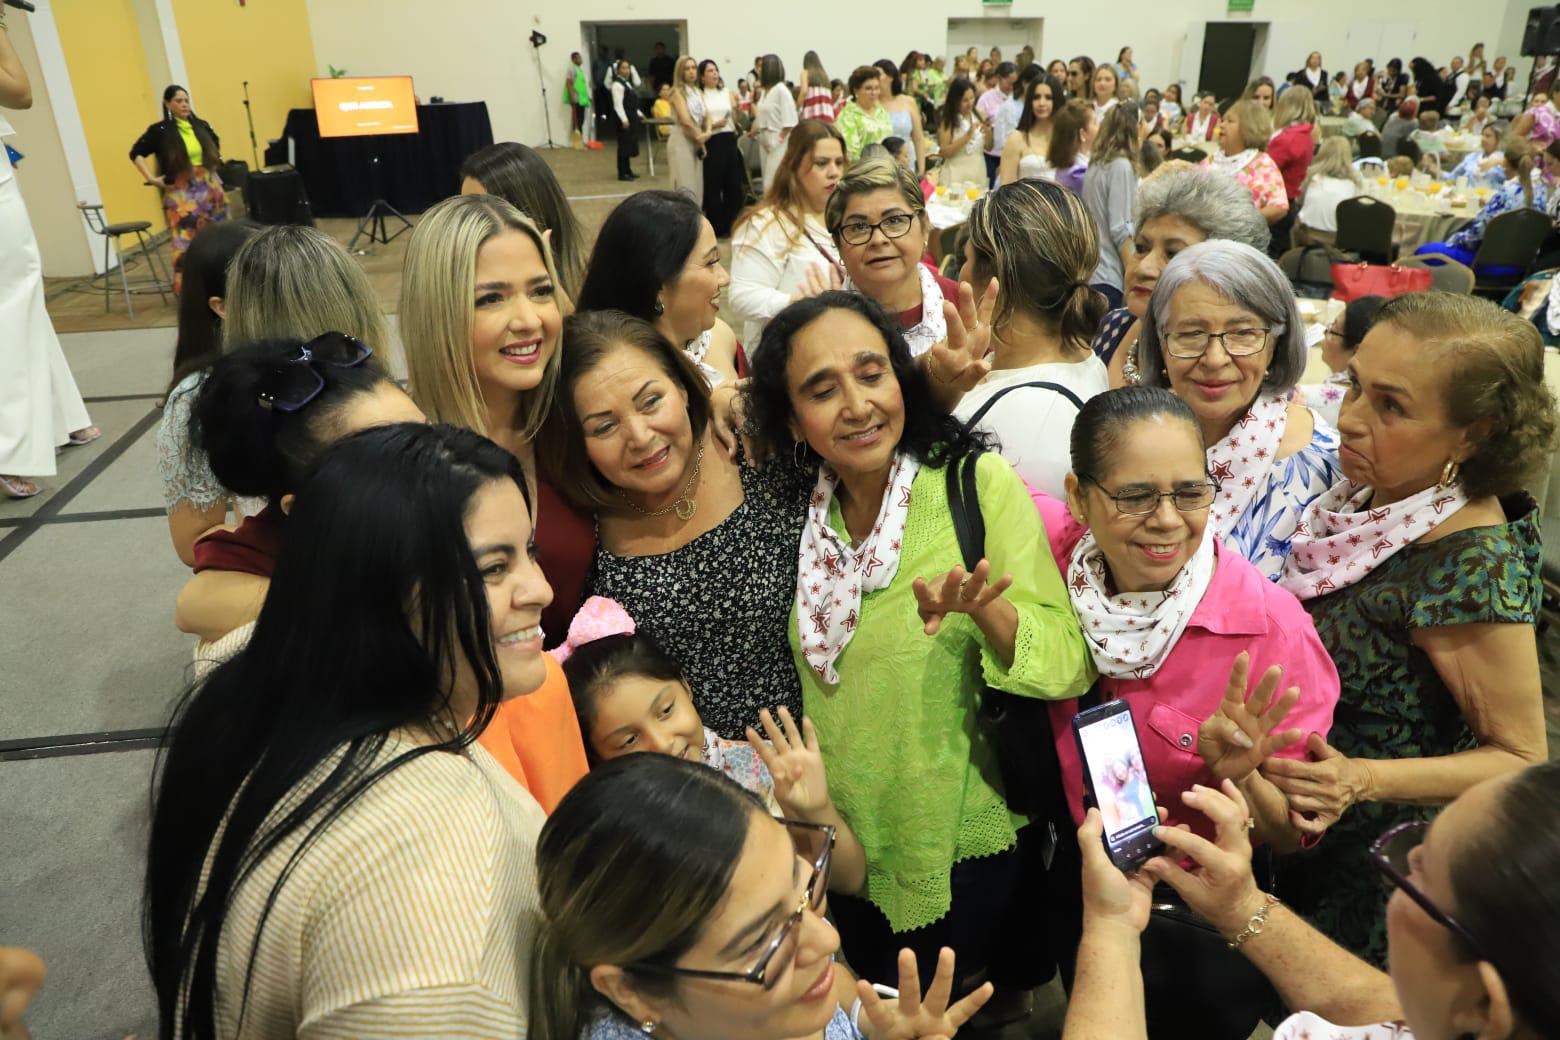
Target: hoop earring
647,1027
1448,474
660,308
799,454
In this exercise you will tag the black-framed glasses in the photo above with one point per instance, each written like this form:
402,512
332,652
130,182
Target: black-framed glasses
814,896
1141,501
1390,854
296,381
859,232
1194,343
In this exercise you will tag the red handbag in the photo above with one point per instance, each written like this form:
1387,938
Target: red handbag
1351,281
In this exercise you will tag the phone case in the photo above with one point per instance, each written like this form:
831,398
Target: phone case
1138,849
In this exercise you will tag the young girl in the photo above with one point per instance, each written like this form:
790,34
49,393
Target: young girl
630,697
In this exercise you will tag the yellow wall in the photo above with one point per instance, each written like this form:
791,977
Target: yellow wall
115,98
266,42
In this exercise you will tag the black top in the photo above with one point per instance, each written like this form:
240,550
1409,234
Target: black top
1318,92
661,70
163,140
720,606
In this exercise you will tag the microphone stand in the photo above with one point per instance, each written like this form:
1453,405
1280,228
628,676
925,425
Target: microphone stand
254,147
536,52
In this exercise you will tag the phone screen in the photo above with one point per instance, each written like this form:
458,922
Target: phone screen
1114,762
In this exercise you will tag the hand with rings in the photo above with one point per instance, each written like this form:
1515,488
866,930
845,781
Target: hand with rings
957,592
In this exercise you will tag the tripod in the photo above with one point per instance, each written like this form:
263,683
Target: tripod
541,77
249,114
372,223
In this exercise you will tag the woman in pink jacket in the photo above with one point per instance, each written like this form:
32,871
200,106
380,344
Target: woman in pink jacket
1167,613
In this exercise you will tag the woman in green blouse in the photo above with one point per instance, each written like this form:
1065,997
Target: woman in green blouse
894,640
187,153
864,120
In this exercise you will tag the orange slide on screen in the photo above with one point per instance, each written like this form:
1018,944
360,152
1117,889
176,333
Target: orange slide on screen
359,106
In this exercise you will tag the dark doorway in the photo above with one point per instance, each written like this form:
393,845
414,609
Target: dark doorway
1226,59
605,42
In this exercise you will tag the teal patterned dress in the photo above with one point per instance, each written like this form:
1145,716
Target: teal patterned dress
1394,704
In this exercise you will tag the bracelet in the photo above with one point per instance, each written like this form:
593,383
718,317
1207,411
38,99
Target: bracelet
1257,922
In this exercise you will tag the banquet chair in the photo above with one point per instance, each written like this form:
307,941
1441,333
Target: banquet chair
1508,251
1447,275
161,280
1365,227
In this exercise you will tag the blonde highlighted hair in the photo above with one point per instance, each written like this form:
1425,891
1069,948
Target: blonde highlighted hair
1255,122
438,301
295,282
868,175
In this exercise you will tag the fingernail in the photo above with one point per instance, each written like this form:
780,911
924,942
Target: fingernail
1241,740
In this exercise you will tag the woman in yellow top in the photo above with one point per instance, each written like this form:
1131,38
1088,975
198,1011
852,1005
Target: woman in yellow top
188,154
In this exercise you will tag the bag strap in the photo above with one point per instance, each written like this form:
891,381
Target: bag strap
969,526
980,413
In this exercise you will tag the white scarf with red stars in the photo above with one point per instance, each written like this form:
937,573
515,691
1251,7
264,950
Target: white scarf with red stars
1340,540
832,575
1130,634
1242,462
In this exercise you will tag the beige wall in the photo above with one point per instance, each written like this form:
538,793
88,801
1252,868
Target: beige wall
43,174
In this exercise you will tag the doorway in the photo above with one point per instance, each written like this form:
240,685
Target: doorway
1010,34
1228,52
604,42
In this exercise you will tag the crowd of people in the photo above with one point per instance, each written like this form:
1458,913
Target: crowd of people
627,673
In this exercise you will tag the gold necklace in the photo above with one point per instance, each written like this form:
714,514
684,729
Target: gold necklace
684,505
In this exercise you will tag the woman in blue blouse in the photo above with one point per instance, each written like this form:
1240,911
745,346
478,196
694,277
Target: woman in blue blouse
1485,168
1521,190
1222,333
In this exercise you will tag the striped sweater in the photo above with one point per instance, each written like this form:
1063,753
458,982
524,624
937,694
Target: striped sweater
412,915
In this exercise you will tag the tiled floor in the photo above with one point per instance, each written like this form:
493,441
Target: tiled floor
87,646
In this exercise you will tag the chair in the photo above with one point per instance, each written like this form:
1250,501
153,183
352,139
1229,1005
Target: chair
1511,241
1446,274
161,280
1309,270
1195,156
1365,227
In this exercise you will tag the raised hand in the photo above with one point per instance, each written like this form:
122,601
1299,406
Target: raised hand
819,278
956,364
1219,885
913,1018
956,593
794,762
1244,732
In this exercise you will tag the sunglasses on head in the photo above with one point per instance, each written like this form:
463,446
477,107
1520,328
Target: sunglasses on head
294,382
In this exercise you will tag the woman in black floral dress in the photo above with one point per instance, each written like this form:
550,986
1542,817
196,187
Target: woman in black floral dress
1421,570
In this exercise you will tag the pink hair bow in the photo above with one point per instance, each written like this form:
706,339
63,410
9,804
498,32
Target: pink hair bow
597,618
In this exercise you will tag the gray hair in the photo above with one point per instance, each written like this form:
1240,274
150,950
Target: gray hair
1248,279
1217,204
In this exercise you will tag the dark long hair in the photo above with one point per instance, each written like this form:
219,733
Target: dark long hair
596,665
173,158
632,865
948,119
896,83
376,553
642,245
259,452
930,434
1026,121
205,275
521,177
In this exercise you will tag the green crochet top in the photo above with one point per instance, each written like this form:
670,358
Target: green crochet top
898,732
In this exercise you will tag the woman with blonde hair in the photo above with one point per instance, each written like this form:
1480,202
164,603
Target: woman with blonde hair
685,147
1110,193
1294,118
1037,240
1332,179
481,321
780,249
1247,127
285,282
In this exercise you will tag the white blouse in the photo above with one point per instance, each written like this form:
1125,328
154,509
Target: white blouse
770,259
717,103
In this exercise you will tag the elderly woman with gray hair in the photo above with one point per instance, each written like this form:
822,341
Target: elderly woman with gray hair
1223,334
1176,208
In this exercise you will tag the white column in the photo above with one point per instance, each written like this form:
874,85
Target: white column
73,136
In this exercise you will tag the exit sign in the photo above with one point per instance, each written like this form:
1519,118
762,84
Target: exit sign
1241,6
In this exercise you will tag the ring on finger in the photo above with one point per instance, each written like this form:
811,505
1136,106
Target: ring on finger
964,583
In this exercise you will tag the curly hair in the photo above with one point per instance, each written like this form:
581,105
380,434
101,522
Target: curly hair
930,433
1495,383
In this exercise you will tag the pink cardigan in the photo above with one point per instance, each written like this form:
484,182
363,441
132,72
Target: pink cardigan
1240,611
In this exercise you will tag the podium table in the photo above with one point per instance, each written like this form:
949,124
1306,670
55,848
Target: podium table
415,170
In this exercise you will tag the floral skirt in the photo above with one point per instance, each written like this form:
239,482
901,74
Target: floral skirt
195,200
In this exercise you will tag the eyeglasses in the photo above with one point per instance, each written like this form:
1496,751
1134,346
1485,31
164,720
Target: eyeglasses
1236,342
1141,501
293,383
813,898
1390,855
859,232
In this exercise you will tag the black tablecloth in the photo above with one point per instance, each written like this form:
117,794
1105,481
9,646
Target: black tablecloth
415,170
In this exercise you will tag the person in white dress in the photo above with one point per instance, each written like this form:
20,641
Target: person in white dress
1037,240
774,116
40,407
1471,918
781,250
962,136
685,146
1024,155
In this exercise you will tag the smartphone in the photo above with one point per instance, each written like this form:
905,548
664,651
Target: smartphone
1117,782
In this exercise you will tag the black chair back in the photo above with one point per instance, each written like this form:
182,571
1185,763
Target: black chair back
1191,155
1512,239
1365,227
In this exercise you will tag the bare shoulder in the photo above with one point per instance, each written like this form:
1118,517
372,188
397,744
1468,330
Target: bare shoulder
721,334
1299,428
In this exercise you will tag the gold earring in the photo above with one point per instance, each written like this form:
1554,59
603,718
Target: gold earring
1448,474
660,308
647,1027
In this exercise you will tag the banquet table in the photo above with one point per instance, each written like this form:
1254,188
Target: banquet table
1421,217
